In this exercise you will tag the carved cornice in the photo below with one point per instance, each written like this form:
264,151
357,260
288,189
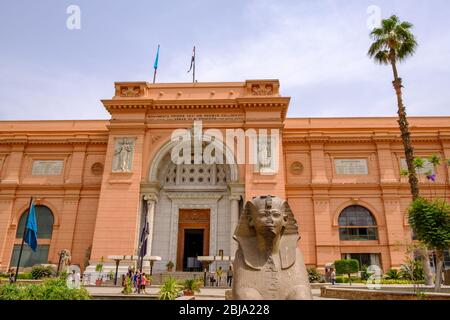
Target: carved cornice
290,138
45,140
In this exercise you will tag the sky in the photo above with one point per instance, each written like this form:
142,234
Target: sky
316,48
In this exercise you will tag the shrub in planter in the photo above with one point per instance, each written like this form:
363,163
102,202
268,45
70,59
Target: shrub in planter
314,275
392,274
39,272
170,266
191,286
169,290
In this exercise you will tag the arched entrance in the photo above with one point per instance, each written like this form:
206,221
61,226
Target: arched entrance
193,209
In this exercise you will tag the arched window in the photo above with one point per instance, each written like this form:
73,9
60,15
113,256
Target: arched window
357,223
44,220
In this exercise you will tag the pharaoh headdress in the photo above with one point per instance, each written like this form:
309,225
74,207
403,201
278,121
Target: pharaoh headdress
246,235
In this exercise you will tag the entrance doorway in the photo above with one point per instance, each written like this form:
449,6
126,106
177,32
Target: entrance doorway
193,238
193,247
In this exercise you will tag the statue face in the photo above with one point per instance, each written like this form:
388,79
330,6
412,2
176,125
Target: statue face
268,221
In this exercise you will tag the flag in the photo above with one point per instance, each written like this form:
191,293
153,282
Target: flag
31,229
192,60
155,65
143,239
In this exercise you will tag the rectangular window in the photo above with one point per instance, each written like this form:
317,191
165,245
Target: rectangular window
47,167
351,166
29,258
447,259
358,233
427,167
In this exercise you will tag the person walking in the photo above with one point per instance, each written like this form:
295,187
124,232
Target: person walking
333,277
11,275
229,276
143,282
135,281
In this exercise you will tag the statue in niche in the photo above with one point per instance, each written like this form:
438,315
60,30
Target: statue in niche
268,264
123,156
264,160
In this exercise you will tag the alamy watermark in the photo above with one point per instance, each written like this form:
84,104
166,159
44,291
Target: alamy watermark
73,21
374,19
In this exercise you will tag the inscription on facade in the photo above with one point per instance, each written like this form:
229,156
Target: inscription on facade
47,167
196,116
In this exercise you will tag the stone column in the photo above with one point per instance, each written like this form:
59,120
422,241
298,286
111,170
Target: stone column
234,219
151,203
318,163
385,162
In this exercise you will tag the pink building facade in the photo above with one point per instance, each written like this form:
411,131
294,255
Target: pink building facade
95,182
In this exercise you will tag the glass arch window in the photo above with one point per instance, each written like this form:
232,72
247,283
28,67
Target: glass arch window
356,223
44,220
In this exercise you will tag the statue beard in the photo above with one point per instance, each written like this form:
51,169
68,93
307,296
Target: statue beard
269,239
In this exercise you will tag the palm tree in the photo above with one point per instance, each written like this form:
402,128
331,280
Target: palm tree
393,42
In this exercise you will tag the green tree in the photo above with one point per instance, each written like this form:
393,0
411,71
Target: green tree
393,42
431,222
347,266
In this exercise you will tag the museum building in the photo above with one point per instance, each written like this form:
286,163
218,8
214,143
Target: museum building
95,182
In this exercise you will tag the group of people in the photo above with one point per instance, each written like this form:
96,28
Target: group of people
216,282
138,279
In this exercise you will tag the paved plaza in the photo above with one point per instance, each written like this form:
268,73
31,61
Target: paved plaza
205,293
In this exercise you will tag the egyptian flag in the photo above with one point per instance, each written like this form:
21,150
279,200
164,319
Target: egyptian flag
192,60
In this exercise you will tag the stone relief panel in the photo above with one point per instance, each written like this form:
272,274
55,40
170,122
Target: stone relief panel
123,154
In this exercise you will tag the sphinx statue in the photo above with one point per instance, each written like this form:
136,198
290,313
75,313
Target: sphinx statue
268,264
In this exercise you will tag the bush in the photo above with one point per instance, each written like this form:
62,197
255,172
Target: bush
412,271
344,279
39,272
25,276
392,274
399,281
365,275
51,289
169,290
127,287
192,285
347,266
314,275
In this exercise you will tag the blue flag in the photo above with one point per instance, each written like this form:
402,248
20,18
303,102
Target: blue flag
31,229
155,66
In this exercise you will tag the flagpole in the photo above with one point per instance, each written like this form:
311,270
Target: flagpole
23,239
154,76
193,71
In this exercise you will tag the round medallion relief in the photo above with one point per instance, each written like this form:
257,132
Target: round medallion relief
296,168
97,168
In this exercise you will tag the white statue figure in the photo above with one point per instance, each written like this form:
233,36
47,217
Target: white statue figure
66,258
263,156
123,152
